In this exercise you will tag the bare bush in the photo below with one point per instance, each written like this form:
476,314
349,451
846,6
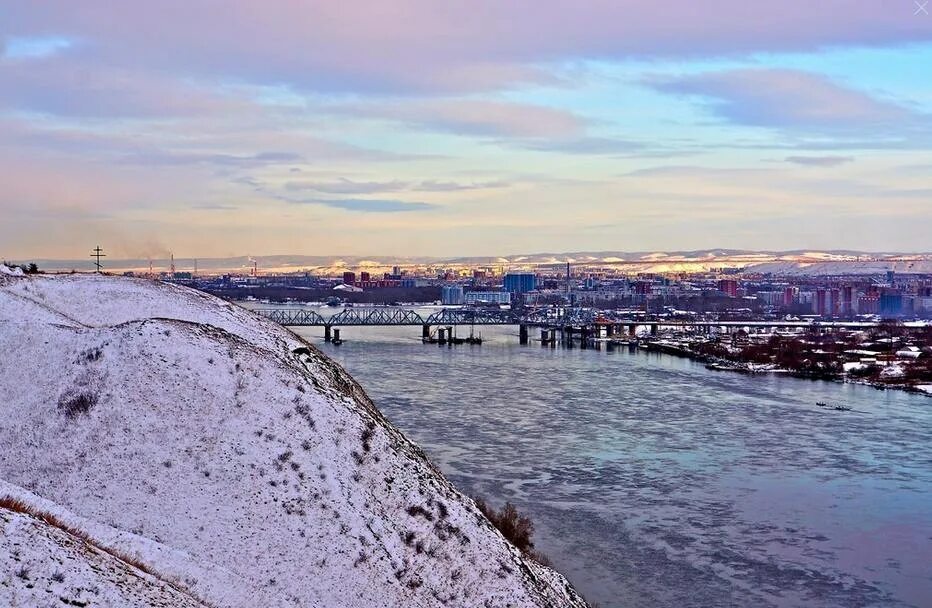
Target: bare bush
74,403
514,526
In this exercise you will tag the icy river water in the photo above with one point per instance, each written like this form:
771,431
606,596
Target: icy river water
655,482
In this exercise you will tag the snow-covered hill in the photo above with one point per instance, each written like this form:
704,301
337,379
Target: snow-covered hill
229,457
844,267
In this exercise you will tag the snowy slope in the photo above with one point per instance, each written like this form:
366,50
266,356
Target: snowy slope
228,454
48,566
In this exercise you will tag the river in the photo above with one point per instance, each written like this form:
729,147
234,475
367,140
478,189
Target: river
653,481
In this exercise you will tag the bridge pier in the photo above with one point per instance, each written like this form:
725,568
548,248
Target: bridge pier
632,329
425,331
522,334
327,336
654,327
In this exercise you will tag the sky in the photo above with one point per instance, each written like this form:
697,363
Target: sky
212,128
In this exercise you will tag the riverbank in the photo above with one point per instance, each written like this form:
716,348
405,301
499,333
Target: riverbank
716,363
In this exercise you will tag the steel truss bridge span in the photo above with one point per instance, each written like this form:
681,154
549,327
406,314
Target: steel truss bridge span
389,316
381,316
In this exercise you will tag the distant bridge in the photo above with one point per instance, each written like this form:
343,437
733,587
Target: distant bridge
388,316
589,322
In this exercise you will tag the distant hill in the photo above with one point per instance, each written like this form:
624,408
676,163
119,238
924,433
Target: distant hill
227,461
796,261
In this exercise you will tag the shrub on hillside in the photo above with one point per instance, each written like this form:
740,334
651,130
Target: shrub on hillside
514,526
75,403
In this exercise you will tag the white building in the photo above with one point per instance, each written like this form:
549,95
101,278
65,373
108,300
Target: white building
488,297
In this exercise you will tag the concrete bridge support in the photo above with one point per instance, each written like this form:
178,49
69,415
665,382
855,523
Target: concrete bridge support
327,335
522,334
425,331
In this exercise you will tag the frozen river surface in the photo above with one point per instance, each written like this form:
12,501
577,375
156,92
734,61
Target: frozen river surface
655,482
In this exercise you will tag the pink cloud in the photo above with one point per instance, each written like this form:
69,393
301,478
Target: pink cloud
422,45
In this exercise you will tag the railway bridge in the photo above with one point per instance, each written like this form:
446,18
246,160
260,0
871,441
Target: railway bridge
588,323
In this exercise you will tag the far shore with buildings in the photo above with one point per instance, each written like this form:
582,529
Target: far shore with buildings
727,292
889,354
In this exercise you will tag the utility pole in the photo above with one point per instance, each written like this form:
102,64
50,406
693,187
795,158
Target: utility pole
97,254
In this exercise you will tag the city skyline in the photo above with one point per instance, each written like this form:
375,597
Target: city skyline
407,130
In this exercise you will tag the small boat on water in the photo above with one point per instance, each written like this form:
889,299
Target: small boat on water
821,403
842,408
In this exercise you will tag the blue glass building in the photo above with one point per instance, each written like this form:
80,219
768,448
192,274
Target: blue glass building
520,282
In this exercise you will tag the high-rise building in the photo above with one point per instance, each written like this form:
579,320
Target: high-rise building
520,282
789,296
452,295
643,288
820,301
847,300
729,287
364,276
891,304
349,277
869,304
